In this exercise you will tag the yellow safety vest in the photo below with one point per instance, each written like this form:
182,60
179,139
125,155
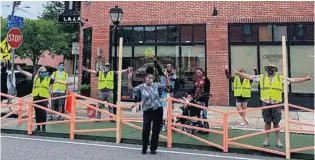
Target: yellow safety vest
242,89
271,91
41,88
107,82
63,78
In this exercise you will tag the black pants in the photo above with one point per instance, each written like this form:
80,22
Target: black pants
40,115
155,116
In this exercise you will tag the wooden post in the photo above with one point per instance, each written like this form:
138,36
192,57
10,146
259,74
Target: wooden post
30,119
169,121
118,116
286,103
225,132
72,115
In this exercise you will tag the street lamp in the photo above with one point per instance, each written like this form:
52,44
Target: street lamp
116,15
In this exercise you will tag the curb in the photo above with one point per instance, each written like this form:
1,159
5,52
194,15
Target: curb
162,144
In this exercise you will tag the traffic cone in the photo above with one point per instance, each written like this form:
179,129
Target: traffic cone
68,102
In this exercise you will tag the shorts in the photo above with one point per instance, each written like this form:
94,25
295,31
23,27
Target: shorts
271,114
241,99
105,96
60,101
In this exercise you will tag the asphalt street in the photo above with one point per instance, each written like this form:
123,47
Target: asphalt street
23,147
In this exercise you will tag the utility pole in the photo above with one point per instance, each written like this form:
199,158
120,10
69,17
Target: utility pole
15,3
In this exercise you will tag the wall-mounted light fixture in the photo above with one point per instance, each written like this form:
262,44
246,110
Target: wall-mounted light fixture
214,11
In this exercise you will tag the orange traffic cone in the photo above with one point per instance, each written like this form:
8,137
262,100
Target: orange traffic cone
68,102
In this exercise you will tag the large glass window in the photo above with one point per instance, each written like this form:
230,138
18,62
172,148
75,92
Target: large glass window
186,34
244,57
193,57
142,61
168,55
138,34
302,64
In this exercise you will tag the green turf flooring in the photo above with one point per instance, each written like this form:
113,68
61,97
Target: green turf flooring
297,140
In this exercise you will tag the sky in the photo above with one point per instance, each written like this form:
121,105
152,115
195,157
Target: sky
35,10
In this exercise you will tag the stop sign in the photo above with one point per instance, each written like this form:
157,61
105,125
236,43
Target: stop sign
15,38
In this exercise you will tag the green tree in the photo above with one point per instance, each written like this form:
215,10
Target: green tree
52,10
39,36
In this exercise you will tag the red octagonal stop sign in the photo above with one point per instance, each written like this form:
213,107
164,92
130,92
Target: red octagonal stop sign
15,38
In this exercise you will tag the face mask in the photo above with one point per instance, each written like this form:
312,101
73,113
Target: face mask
270,71
106,69
61,68
43,74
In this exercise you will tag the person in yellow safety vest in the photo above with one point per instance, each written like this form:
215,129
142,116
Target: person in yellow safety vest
59,90
271,88
41,84
242,92
105,85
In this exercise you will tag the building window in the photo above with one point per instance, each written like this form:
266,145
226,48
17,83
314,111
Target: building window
150,34
168,55
193,57
270,55
161,33
279,31
244,56
309,29
236,33
297,32
138,35
143,59
186,34
87,37
302,64
127,34
173,33
199,34
265,33
250,33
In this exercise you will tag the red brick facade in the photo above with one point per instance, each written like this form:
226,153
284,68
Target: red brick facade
152,13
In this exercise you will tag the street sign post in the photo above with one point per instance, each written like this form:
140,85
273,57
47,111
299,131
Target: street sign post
15,38
15,22
75,51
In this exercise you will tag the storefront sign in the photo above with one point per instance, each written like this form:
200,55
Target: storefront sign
272,57
69,19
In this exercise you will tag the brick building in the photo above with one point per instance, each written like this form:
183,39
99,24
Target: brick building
188,35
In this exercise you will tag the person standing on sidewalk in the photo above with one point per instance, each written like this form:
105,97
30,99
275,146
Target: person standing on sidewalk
59,89
242,91
151,106
105,86
271,88
41,84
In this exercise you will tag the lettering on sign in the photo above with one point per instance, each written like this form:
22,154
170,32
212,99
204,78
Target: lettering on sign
272,58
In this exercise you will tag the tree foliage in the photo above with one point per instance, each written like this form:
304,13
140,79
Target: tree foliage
39,36
52,10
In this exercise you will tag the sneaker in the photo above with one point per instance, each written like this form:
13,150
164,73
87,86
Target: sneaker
266,144
242,124
153,152
37,129
163,128
279,145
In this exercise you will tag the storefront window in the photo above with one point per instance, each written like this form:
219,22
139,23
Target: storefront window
244,57
265,33
193,57
173,34
138,34
168,55
302,64
279,31
150,34
199,33
270,55
143,59
186,34
161,34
